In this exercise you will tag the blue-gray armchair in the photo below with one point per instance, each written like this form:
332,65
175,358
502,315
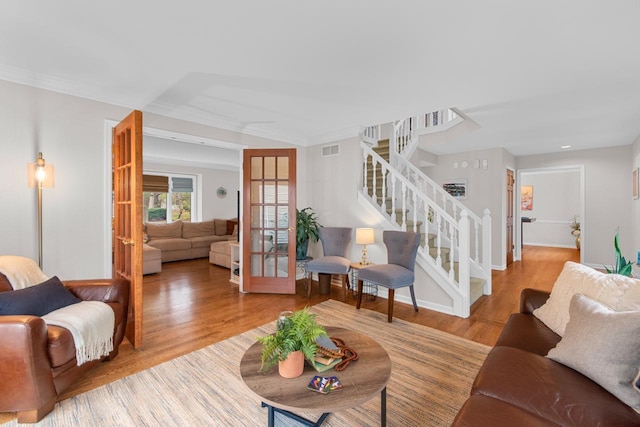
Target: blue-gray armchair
335,247
402,248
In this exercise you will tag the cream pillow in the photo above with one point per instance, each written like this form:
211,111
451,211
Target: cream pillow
618,292
603,345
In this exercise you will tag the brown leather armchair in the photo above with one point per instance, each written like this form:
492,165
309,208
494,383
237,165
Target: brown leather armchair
38,362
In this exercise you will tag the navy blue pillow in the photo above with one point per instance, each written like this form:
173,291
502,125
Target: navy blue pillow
37,300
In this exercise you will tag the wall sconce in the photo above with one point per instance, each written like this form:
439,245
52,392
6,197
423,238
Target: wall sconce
40,175
365,236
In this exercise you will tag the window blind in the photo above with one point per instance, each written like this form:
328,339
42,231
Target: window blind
155,183
181,185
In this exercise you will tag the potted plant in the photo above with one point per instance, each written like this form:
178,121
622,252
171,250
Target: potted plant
622,266
575,229
293,341
307,227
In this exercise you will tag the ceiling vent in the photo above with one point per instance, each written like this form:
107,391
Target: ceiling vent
331,150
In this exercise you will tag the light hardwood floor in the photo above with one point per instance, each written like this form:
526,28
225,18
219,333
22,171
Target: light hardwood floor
191,304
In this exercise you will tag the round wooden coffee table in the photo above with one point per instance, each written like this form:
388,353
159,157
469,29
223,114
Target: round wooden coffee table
362,380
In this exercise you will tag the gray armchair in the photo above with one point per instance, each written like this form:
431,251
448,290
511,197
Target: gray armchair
335,247
402,248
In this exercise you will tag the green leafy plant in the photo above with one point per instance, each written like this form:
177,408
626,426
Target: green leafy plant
307,228
622,266
296,332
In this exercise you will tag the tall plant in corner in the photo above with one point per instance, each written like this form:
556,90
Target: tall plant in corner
622,266
307,227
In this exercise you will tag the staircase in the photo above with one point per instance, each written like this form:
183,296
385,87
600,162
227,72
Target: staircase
456,243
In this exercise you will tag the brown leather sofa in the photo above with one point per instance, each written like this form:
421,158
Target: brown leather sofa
38,362
518,386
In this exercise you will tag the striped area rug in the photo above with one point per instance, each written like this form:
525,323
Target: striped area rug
431,377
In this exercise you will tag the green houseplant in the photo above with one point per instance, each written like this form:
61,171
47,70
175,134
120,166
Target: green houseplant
296,333
621,266
307,227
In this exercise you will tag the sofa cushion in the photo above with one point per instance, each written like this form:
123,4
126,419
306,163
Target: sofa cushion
164,231
37,300
548,389
198,229
231,224
604,345
618,292
484,411
526,332
220,226
205,241
166,245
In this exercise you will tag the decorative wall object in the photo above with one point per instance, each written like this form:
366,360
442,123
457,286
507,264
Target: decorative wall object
457,188
526,198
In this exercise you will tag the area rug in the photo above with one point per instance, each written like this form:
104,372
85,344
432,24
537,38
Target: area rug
431,377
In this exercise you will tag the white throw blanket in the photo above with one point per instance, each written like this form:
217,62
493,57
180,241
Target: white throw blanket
91,324
22,272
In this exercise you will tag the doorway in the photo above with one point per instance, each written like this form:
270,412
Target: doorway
224,156
554,197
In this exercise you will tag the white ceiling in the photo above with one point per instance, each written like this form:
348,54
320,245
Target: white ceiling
533,75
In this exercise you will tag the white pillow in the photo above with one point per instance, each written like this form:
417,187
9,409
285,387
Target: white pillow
603,345
620,293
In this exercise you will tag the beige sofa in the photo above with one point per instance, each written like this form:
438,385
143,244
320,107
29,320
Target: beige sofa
187,240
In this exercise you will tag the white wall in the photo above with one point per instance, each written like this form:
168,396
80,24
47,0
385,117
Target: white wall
486,189
556,199
70,132
608,202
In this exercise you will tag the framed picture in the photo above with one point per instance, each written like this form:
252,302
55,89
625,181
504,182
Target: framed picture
634,183
526,198
456,187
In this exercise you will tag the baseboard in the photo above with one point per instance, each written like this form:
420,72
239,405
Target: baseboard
550,245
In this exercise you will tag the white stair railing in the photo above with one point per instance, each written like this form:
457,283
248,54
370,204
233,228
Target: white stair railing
371,134
418,199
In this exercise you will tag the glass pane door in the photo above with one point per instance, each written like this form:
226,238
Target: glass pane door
269,232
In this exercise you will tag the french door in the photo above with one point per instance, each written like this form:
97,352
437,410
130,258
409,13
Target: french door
127,216
269,221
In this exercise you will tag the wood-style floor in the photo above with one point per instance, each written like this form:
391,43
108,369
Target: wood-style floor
192,304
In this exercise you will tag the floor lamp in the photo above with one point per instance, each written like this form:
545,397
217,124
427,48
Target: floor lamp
40,175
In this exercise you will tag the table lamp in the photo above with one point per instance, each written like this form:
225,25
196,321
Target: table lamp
365,236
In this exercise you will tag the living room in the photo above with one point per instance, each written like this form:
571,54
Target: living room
499,68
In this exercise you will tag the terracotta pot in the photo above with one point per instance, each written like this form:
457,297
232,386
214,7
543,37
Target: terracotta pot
292,366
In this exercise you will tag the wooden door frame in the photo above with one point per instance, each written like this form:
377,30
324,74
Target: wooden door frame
517,255
514,206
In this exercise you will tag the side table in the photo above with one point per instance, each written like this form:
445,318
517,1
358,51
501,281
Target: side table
302,265
368,288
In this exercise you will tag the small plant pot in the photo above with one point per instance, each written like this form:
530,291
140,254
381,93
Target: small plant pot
292,366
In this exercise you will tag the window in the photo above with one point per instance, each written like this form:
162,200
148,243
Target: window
179,190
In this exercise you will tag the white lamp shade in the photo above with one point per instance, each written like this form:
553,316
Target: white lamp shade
365,236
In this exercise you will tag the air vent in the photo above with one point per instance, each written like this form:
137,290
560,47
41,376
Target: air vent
330,150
